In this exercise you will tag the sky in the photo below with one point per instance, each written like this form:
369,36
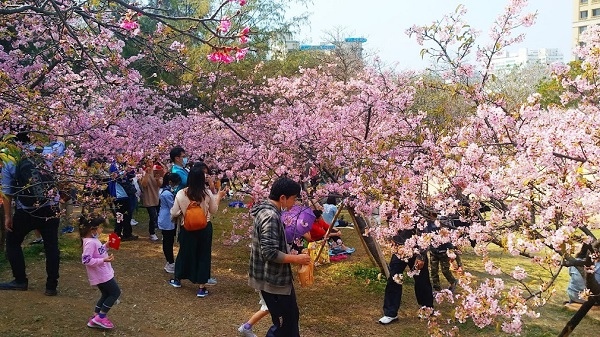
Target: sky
384,22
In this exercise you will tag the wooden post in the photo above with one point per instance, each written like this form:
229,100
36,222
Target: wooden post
369,243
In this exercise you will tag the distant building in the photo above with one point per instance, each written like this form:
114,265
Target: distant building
585,13
280,48
524,56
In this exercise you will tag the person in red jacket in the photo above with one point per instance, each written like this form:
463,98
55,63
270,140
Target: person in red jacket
319,230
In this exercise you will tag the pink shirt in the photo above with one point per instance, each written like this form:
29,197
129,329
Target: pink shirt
94,253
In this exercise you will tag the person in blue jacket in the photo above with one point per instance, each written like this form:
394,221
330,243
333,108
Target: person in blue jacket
179,160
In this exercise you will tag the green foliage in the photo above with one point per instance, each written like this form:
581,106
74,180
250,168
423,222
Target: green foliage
182,8
70,247
267,21
9,152
369,275
444,104
363,272
292,63
551,89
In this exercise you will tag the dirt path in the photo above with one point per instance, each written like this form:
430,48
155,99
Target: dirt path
337,305
151,307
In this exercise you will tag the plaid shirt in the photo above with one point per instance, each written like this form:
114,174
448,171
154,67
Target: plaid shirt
267,271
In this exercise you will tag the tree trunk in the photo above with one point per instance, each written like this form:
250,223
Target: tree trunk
579,315
369,243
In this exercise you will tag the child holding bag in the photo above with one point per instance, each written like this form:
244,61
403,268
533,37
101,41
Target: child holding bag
100,273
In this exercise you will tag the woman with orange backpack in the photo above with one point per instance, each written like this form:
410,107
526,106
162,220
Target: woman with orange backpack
192,207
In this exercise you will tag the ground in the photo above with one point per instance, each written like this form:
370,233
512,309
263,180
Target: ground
345,300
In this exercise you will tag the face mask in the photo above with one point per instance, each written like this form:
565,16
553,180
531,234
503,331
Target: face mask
185,161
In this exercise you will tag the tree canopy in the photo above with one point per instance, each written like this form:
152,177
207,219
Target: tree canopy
123,82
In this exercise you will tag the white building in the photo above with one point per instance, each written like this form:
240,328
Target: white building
280,47
546,56
585,13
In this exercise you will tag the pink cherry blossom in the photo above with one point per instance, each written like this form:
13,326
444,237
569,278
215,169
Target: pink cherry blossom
519,273
129,25
224,25
241,54
177,46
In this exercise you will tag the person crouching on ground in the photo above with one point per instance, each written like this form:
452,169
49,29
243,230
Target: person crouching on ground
319,230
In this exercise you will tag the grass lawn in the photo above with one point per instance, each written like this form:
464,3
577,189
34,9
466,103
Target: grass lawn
346,298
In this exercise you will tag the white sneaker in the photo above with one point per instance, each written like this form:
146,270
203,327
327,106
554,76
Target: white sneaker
153,237
170,268
245,332
211,282
133,222
387,319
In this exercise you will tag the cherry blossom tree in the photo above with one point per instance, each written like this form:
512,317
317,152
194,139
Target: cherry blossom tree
62,70
534,168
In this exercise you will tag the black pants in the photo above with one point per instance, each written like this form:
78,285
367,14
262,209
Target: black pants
284,314
45,220
123,227
167,244
110,294
153,216
393,290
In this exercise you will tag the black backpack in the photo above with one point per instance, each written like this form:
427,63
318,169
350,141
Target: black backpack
35,183
128,187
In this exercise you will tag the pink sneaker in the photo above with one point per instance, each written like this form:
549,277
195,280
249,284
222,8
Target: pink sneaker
103,322
91,323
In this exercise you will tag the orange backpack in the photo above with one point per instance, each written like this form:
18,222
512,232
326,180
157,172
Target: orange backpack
195,217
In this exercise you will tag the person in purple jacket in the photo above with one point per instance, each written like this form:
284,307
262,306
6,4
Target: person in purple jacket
100,273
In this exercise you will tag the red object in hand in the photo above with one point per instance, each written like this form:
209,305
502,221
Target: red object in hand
114,241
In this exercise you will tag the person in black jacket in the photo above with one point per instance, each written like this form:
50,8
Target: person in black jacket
393,289
120,188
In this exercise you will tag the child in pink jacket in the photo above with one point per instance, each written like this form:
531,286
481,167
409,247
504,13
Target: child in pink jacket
100,273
